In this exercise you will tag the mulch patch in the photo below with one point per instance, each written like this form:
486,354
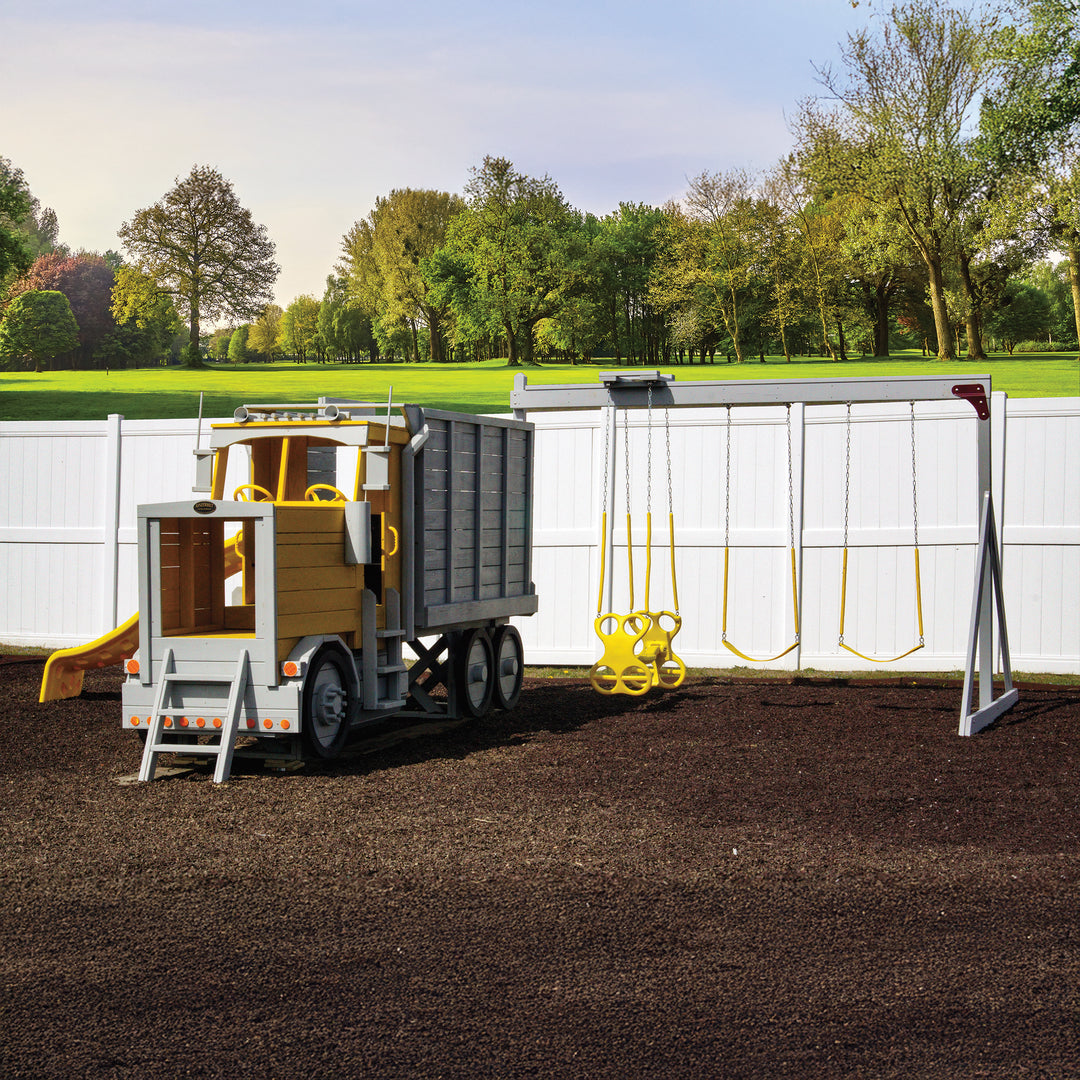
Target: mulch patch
732,879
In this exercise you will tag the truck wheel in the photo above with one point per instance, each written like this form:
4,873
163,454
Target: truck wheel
328,703
475,672
509,666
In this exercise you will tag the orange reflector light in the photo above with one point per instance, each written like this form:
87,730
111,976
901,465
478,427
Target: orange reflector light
168,721
290,669
131,666
200,722
285,725
217,721
183,721
268,723
135,721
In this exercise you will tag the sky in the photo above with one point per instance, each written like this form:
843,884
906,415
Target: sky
314,109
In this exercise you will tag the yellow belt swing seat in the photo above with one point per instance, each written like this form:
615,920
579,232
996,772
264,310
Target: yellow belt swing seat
727,551
638,653
844,568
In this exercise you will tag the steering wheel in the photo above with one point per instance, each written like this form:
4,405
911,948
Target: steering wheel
239,495
312,493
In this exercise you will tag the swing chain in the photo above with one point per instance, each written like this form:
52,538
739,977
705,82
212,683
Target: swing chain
648,467
790,484
914,484
727,479
847,472
607,451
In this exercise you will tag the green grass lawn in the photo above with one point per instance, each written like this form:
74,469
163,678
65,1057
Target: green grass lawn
167,393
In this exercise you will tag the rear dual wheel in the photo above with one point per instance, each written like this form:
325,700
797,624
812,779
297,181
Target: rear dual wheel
489,669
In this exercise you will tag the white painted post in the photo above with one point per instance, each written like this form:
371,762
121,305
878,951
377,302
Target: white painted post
111,525
798,472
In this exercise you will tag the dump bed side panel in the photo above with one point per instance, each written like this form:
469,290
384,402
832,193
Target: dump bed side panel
473,507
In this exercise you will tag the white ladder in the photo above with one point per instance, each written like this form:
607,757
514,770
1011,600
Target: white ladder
389,666
223,750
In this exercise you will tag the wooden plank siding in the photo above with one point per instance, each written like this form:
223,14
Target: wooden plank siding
316,592
475,505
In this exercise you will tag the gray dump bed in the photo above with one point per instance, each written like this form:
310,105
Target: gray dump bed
472,504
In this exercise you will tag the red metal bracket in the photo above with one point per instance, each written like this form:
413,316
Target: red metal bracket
976,394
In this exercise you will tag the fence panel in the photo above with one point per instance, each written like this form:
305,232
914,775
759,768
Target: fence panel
69,493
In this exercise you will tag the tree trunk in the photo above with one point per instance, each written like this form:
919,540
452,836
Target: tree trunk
512,359
1073,251
881,319
936,284
975,349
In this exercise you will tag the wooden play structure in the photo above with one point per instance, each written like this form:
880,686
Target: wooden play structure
280,609
638,651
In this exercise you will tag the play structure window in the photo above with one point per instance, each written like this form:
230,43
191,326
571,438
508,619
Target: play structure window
199,570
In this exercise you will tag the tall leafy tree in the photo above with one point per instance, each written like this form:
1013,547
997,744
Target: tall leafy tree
87,281
344,328
383,257
146,318
300,327
264,336
37,327
513,257
15,203
712,256
238,350
897,135
199,245
1030,120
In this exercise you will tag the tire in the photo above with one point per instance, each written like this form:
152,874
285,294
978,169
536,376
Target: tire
329,703
509,666
474,670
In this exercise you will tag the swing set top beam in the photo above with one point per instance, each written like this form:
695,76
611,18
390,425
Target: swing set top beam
629,389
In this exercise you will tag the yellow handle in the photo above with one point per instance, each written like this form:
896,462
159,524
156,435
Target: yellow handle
394,549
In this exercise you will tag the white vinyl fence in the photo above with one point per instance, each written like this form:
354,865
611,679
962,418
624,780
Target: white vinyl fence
69,491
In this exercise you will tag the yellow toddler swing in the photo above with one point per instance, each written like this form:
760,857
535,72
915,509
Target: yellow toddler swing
638,653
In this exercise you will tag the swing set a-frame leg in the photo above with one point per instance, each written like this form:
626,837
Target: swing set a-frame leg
981,636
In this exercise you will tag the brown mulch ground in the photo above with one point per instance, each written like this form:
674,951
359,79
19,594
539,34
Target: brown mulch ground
728,880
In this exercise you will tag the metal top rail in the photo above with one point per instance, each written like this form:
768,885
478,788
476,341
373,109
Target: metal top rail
628,390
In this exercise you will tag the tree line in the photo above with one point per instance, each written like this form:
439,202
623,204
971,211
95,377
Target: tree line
932,199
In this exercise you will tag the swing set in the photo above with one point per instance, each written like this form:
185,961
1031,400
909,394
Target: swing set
638,652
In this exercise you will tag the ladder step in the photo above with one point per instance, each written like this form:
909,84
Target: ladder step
390,669
174,677
186,748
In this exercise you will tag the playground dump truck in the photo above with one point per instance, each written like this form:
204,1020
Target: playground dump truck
280,609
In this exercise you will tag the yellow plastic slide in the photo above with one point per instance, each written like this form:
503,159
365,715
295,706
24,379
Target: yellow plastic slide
64,670
63,676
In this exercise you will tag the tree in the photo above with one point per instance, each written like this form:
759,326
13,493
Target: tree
344,328
383,257
513,256
87,281
38,326
219,343
199,245
300,327
713,255
238,350
897,137
264,336
1030,119
1023,314
15,255
145,316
